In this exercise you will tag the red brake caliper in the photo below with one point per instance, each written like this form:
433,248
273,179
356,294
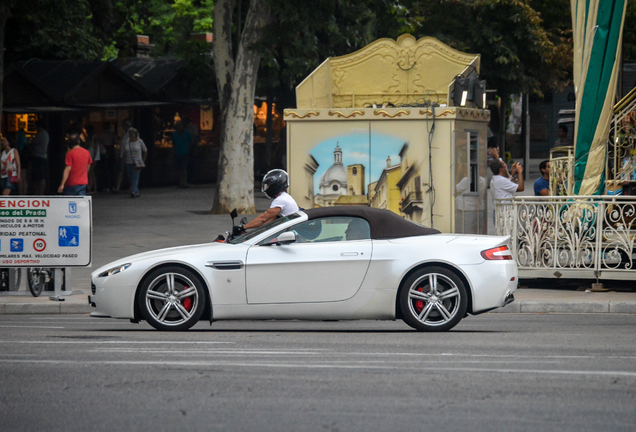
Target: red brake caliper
187,302
419,304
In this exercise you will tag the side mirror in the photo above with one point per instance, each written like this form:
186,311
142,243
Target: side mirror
233,214
285,238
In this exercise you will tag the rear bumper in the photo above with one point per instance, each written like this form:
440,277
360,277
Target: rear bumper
494,284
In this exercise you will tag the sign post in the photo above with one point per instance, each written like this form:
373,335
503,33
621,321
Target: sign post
49,231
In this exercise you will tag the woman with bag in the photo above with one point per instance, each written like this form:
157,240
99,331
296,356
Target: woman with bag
134,154
10,171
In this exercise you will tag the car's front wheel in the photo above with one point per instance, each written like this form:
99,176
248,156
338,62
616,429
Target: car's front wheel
171,298
433,299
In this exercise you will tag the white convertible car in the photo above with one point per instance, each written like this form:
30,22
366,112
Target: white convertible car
332,263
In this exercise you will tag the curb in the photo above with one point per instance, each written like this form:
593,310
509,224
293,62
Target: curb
40,308
534,306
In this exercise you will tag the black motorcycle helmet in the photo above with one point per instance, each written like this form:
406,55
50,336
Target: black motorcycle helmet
275,182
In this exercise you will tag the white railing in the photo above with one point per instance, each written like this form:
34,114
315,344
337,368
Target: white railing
576,236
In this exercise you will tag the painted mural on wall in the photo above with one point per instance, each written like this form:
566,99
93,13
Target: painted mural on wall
352,169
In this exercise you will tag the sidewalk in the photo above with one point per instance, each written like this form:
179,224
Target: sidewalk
166,217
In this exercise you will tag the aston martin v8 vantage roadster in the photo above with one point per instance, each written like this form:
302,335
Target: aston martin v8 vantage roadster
331,263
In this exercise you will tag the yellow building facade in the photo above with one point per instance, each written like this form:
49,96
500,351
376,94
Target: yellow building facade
346,122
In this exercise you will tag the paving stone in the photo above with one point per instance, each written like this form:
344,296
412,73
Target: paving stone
622,307
564,307
75,308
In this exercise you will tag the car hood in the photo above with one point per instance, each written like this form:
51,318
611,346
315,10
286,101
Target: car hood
157,254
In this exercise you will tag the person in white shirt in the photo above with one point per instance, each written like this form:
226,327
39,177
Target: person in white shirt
275,184
500,185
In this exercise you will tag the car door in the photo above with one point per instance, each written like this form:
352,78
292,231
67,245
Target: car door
324,264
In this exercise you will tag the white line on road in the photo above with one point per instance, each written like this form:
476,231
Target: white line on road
217,364
30,326
69,322
112,342
209,352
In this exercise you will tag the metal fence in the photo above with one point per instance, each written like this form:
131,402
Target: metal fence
575,236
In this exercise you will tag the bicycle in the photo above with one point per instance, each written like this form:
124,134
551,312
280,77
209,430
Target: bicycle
38,278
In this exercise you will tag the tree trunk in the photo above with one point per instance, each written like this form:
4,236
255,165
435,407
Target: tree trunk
236,82
4,14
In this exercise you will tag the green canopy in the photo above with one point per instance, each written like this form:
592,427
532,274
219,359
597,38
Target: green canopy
598,31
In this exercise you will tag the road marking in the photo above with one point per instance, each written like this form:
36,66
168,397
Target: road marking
217,364
207,352
30,326
68,322
112,342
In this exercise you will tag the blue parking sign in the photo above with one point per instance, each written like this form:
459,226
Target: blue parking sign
68,236
17,245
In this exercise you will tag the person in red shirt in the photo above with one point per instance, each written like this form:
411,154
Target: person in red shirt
78,161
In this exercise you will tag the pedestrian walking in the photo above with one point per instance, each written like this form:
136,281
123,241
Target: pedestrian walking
10,167
181,140
134,156
108,169
39,158
93,147
78,162
123,142
22,146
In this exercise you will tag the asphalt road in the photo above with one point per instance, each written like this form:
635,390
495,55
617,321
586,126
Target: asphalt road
495,372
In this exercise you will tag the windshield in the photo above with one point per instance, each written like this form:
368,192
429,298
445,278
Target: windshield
261,229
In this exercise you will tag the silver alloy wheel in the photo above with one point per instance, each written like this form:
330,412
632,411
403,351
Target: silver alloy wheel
434,299
167,299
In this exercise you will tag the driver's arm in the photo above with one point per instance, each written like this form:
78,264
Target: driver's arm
264,218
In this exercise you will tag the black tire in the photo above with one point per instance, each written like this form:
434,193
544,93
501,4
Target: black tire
36,280
171,298
433,299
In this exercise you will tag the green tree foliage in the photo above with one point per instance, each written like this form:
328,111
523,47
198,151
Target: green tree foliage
300,38
169,23
517,53
629,33
51,29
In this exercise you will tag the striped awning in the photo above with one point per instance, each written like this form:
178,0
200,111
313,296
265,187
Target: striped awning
598,32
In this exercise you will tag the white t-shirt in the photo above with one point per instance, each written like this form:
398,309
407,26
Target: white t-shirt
286,203
501,187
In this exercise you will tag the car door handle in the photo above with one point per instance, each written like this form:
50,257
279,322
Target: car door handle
345,254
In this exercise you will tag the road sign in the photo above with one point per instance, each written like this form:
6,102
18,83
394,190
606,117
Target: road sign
45,231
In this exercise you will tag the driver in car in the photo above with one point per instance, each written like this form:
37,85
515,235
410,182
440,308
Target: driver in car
357,229
275,184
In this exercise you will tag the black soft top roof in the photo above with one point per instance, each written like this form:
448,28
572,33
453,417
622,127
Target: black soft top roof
384,223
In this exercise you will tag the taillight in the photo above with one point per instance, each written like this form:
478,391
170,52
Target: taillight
498,253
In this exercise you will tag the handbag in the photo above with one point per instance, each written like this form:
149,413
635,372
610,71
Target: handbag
15,179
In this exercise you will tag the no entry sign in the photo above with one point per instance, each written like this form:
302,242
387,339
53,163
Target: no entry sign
45,231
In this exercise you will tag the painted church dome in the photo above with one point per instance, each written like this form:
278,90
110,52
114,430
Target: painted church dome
336,172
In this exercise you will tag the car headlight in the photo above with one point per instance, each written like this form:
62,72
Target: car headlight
115,270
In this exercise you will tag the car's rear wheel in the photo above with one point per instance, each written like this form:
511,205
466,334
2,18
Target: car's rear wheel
433,299
171,298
